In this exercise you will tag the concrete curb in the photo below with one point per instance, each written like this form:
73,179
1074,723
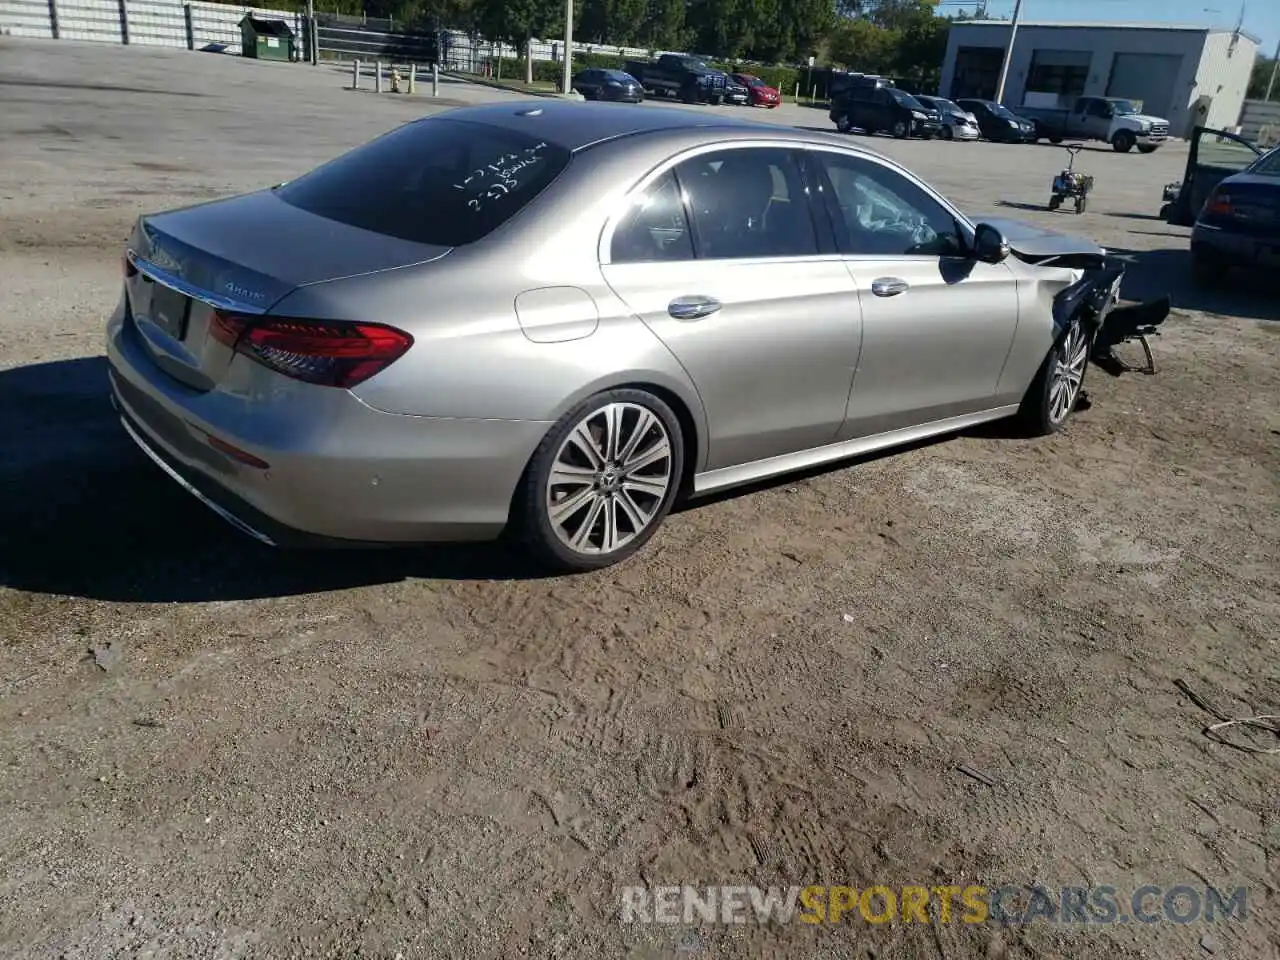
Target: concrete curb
493,85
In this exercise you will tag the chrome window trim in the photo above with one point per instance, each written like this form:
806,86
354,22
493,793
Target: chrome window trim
605,245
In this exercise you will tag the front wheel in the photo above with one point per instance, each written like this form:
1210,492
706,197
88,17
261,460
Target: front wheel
1081,204
1123,141
900,129
1055,138
1057,386
602,481
946,132
843,123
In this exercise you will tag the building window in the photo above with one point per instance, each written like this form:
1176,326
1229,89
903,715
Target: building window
1062,73
977,72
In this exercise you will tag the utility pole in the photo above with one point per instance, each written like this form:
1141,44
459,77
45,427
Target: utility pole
1008,52
1275,68
313,43
567,81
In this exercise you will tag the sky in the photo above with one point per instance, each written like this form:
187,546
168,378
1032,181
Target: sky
1261,17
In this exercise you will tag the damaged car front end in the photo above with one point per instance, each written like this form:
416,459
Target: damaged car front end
1091,295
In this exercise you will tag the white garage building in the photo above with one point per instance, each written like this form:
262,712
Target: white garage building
1186,74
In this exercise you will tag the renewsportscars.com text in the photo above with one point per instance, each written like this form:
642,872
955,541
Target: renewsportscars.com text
1005,905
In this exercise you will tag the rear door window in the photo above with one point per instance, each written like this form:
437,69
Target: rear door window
749,202
436,181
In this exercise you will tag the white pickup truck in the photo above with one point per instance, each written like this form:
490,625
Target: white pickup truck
1114,119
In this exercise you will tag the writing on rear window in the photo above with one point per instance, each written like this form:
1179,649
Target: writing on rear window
499,178
433,181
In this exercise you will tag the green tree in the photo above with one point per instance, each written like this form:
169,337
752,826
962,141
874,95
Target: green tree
861,45
1260,78
517,22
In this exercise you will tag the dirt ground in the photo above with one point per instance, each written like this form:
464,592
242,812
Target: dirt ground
209,749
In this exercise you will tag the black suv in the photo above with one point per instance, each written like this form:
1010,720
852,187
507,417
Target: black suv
997,122
873,105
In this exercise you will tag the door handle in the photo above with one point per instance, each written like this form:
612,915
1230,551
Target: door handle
693,308
888,286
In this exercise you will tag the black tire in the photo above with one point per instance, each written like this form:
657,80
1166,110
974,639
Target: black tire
900,129
946,132
1081,204
1205,271
1123,141
844,123
1055,138
532,503
1147,148
1038,412
1055,202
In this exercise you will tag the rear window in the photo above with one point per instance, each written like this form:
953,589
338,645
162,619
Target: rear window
437,181
1268,165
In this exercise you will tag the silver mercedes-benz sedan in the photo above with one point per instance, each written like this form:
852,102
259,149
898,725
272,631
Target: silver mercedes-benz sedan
555,318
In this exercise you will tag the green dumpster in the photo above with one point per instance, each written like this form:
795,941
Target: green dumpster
266,39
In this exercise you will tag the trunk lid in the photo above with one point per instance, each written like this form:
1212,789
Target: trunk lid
241,255
1255,205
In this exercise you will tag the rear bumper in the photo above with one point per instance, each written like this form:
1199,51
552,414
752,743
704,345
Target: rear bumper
1234,249
340,472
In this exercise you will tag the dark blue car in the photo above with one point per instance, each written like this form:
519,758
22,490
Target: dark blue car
1239,224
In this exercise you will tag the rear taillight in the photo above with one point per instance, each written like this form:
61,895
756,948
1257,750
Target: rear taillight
1219,205
331,353
127,267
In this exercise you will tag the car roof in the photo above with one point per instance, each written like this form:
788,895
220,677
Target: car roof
576,126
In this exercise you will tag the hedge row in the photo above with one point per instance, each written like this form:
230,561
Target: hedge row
549,71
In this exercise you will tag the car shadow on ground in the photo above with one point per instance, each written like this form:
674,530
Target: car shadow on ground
1018,205
85,513
1152,273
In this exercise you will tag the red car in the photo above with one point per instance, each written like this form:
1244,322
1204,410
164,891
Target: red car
762,95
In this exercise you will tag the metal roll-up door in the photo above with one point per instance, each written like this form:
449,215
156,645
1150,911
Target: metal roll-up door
1149,77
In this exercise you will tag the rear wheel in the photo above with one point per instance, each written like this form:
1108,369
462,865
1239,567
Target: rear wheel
602,481
1057,386
1123,141
1055,202
1205,271
1055,138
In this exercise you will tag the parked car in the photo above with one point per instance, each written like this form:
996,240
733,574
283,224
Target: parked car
1114,120
997,122
873,107
680,75
555,319
1239,224
955,124
600,84
1213,155
736,92
760,93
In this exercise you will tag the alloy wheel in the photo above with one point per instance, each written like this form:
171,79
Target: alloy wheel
1068,373
609,479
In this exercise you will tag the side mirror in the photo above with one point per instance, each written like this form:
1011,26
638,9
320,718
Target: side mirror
989,244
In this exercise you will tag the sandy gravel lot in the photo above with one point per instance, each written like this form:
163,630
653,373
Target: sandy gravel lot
208,749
